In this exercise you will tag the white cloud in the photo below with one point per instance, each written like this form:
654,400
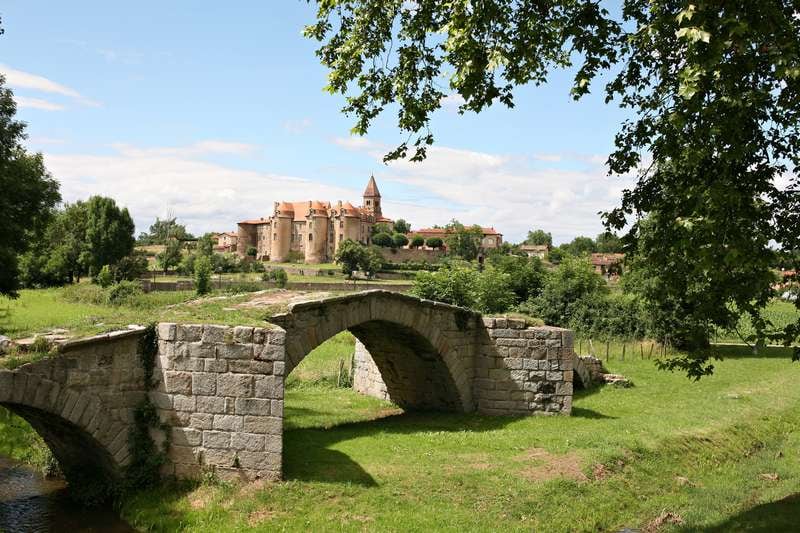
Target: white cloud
25,80
208,147
297,126
37,103
204,195
498,190
40,141
550,158
451,102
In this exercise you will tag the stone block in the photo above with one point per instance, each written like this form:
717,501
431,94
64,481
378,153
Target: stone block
201,421
177,382
235,351
216,439
182,402
259,460
189,332
210,404
219,366
253,406
243,334
167,331
247,441
186,437
228,422
271,425
223,457
204,384
236,385
214,334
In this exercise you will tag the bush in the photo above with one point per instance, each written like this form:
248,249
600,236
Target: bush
124,293
383,240
130,267
295,256
452,285
612,315
85,293
202,275
280,277
434,242
493,292
569,286
417,241
257,266
399,240
186,266
104,278
251,251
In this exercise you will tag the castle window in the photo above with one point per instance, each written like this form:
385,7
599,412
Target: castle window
341,223
341,236
309,236
369,202
274,236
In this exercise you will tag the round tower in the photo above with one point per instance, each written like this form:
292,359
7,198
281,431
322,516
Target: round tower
317,231
352,222
282,232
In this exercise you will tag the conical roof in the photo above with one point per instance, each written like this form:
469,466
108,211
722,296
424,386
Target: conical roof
372,188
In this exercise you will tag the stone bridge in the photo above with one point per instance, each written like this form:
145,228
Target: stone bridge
218,390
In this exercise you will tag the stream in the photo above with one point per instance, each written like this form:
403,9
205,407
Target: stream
30,502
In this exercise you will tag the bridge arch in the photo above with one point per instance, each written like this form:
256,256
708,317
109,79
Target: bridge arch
424,350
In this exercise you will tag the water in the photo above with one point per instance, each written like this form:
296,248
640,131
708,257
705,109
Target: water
32,503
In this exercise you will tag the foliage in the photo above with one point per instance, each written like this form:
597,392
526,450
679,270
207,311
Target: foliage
109,233
161,231
371,262
130,267
104,278
399,240
186,266
279,276
462,241
453,285
571,284
382,239
493,291
124,293
349,255
226,262
170,256
251,251
434,242
401,226
295,256
526,275
205,244
608,243
539,237
28,196
417,241
202,275
382,227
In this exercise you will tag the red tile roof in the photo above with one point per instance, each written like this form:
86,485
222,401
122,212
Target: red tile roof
372,188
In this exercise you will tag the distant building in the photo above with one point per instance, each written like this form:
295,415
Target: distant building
535,250
490,237
226,241
311,228
608,265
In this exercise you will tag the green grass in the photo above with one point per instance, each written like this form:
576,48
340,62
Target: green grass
19,442
705,451
41,310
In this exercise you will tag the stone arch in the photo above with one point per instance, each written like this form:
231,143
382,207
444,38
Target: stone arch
423,349
90,446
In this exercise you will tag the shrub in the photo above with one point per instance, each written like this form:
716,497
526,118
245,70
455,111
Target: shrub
493,292
370,262
526,275
280,277
85,293
124,293
452,285
417,241
349,255
202,275
104,278
257,266
295,256
186,266
434,242
399,240
382,239
243,286
251,251
130,267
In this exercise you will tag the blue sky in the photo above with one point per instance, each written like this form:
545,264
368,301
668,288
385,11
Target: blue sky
212,111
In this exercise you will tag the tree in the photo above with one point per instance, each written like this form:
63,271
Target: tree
526,275
105,278
371,262
170,256
28,194
163,230
539,237
205,244
608,243
713,87
580,246
417,241
382,239
202,275
401,226
434,242
349,255
399,240
382,227
462,241
109,233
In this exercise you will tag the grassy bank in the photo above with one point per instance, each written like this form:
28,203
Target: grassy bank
720,454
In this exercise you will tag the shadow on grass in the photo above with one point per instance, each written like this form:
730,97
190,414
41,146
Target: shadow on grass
781,515
580,412
742,351
307,453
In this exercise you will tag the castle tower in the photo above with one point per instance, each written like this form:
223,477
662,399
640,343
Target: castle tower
351,223
317,224
282,232
372,199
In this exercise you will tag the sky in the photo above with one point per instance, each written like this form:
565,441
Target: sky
212,111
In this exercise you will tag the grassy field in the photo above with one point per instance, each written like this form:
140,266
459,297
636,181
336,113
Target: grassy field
668,454
40,310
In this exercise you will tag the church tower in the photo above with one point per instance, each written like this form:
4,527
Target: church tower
372,198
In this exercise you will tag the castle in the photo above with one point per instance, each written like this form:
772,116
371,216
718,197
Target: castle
313,228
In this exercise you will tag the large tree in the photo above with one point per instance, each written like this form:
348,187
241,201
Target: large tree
109,233
714,92
28,194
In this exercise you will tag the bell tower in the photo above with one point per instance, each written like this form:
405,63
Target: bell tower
372,198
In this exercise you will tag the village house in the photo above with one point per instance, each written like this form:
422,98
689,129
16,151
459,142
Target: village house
608,265
226,241
535,250
490,237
